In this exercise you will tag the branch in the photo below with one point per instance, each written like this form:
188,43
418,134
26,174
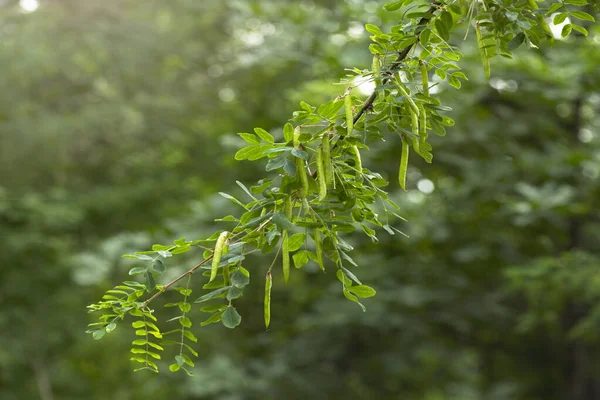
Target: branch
195,268
401,56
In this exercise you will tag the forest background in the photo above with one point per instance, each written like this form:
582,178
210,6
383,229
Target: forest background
117,130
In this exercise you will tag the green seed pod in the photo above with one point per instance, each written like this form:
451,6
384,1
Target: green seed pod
267,305
357,162
403,164
321,174
319,249
285,256
404,92
422,123
327,162
424,78
296,140
349,116
219,247
301,171
287,208
376,69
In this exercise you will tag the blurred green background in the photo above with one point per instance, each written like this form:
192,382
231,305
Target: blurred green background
117,129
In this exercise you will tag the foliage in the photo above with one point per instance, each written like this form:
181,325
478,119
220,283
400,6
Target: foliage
479,302
321,189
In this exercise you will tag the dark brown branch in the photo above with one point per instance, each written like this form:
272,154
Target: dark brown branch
401,56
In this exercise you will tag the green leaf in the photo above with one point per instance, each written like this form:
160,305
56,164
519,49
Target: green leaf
216,317
149,282
174,367
236,201
281,221
190,336
239,279
288,132
98,334
159,267
442,30
248,152
185,322
296,241
234,292
560,18
264,135
300,154
393,6
362,291
582,16
137,270
580,29
231,318
516,41
554,7
212,295
576,2
566,30
373,30
250,138
353,298
301,258
351,275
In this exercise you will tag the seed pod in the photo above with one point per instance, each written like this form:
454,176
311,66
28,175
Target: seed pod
285,256
424,78
296,140
349,116
301,171
327,161
357,162
319,249
404,92
267,305
422,124
321,174
376,69
219,247
287,208
403,164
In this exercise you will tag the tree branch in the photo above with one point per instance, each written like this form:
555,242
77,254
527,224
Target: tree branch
401,56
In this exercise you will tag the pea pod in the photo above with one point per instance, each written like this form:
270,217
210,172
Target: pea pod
327,162
404,92
301,171
357,162
349,116
285,256
422,124
376,69
321,174
403,164
424,78
217,253
319,249
287,208
267,303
